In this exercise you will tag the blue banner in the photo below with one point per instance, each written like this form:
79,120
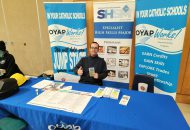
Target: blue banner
113,29
67,33
160,30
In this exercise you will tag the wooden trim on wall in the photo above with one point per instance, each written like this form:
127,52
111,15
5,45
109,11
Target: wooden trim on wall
184,57
89,23
185,89
180,98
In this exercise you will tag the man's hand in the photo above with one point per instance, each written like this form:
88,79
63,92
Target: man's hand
80,71
96,75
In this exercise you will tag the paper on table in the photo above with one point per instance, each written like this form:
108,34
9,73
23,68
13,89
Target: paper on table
43,84
70,102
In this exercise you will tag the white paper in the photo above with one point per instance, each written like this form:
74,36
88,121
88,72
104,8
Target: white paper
69,101
43,84
124,100
107,92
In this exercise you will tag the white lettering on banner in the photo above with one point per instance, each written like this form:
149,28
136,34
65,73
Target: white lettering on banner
148,61
64,126
75,57
151,74
59,15
154,69
99,32
113,27
162,56
61,60
147,53
154,62
157,12
161,12
146,67
163,82
178,10
65,56
78,15
162,71
159,63
65,15
111,32
124,32
143,13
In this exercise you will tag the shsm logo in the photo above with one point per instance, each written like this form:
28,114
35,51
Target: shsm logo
63,126
113,13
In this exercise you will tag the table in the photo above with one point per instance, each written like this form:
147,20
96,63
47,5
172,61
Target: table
145,111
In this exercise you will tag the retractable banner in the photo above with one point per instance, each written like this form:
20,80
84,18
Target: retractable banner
113,27
67,34
160,30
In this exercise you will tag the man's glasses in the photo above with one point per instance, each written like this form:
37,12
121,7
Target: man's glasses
95,48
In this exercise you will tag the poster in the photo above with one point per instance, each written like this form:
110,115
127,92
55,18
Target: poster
160,30
67,34
113,29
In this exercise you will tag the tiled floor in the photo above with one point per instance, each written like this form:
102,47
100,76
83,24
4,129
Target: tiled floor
185,109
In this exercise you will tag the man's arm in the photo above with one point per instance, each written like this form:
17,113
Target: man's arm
104,73
11,66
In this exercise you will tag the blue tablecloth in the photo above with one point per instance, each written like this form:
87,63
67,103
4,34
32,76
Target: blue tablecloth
145,111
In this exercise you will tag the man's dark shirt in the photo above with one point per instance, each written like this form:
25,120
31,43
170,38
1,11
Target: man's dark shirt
99,66
7,62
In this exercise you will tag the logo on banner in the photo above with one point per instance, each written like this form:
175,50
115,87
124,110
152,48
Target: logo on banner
113,13
142,87
158,33
65,126
56,32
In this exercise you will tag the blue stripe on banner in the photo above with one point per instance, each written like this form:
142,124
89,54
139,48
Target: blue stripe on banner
120,30
115,84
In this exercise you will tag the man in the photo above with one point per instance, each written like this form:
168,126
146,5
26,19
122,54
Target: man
92,69
8,66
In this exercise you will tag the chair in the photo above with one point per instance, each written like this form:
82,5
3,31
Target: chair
144,83
4,113
10,123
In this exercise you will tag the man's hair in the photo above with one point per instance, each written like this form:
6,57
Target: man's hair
2,46
95,43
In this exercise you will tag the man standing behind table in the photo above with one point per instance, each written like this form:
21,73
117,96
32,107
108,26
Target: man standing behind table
92,69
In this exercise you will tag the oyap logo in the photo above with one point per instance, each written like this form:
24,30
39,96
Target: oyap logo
63,126
144,32
57,32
